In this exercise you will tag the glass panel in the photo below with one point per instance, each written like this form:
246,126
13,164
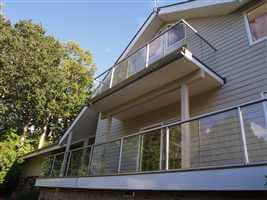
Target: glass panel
85,161
75,162
129,160
220,140
256,132
47,166
79,161
150,160
175,34
105,159
257,19
175,148
137,61
57,165
156,49
105,84
184,145
120,72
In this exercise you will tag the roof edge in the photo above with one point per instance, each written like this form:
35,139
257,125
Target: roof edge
72,125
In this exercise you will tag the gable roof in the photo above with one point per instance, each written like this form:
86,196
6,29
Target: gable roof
173,12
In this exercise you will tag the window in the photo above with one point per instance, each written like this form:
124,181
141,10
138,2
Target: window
257,23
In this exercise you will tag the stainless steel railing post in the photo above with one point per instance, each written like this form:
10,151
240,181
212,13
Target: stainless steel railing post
167,148
243,136
90,159
120,155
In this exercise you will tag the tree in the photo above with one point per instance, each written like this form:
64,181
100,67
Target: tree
43,82
11,152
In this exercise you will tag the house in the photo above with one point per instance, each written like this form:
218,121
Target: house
182,113
80,134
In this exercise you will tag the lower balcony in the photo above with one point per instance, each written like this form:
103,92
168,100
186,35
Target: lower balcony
220,151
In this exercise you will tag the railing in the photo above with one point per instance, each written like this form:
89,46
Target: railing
163,45
234,136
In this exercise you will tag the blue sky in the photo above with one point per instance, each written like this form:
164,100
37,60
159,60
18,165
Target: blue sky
104,27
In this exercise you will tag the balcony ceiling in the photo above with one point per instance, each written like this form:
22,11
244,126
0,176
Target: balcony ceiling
155,87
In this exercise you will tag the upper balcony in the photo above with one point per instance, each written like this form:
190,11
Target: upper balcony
153,73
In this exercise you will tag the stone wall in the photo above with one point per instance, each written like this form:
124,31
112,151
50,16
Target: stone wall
71,194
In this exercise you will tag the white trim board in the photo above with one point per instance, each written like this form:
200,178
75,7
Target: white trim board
72,125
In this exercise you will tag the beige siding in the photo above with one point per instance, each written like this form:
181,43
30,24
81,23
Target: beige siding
245,68
32,166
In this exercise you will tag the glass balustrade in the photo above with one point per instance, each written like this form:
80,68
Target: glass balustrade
234,136
151,54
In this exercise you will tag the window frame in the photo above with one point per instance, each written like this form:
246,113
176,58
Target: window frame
249,34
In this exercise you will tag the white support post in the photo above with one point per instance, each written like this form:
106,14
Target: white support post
185,114
64,163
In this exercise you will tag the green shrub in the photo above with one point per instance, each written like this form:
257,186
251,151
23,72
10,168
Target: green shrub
11,152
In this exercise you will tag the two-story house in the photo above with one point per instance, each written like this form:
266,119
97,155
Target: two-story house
182,113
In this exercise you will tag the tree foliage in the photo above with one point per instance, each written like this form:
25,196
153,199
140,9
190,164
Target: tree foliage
43,82
11,152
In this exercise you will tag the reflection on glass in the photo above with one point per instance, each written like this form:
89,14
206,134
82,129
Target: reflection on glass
120,72
220,140
47,166
175,34
57,165
79,160
156,49
150,160
105,84
175,148
75,162
129,160
137,62
105,159
256,132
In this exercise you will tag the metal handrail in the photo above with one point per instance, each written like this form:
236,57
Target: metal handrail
151,130
156,37
187,121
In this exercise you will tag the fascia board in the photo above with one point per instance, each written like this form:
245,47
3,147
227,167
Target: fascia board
193,5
